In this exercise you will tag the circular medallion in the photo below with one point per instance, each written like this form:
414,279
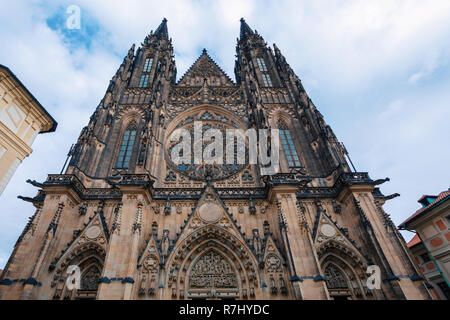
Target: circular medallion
93,232
327,230
210,212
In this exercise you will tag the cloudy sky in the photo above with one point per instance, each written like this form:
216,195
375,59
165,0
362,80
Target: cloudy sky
379,71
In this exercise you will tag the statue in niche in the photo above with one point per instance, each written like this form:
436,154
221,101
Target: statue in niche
257,244
165,245
168,207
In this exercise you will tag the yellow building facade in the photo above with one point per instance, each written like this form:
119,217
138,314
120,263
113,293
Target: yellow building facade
22,118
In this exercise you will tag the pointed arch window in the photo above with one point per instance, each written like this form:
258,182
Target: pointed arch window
148,64
126,148
288,145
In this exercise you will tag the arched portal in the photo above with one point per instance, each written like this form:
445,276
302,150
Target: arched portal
212,263
89,258
344,272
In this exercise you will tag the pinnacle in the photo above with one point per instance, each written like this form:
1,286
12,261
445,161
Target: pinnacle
245,29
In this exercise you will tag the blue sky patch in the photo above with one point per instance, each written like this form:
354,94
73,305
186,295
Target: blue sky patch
89,32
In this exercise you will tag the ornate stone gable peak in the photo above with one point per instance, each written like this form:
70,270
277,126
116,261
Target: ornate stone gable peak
150,259
271,258
329,234
94,234
210,210
204,68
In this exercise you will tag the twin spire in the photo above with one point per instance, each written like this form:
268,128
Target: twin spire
163,33
245,29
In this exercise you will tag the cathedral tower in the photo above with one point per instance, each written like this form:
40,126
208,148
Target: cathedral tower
133,223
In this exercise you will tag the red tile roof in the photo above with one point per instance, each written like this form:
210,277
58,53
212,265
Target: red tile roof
442,196
415,240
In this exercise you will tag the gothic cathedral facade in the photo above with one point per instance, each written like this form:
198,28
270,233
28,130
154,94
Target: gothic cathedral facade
139,226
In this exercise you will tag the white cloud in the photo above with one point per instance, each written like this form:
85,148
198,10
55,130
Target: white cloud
378,71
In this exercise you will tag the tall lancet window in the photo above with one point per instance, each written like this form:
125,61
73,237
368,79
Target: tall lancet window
126,148
267,81
143,83
288,145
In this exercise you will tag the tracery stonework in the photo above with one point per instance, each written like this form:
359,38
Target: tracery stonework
212,271
139,226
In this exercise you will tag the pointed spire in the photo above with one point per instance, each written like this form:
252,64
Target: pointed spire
245,29
162,31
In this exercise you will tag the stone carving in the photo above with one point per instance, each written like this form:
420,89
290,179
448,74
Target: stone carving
210,212
212,271
83,209
257,244
151,263
273,263
334,278
89,280
165,244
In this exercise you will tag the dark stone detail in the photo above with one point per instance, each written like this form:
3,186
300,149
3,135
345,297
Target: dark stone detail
416,277
296,278
32,281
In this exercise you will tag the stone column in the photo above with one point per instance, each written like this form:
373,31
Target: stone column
299,247
118,256
391,252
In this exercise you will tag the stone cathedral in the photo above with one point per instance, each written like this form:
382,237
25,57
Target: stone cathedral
138,226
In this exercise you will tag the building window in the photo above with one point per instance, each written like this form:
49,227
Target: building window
288,145
126,148
266,80
261,64
148,65
144,81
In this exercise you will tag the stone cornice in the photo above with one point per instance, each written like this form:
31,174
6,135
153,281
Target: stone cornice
10,138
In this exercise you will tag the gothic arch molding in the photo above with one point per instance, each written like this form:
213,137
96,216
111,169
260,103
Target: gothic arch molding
349,264
89,257
234,252
283,114
128,113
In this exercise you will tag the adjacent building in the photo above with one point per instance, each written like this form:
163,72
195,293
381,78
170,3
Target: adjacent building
141,225
22,118
431,245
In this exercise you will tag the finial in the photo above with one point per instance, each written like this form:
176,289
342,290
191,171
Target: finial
205,51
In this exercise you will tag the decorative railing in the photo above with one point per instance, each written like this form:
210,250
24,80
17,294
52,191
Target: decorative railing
296,177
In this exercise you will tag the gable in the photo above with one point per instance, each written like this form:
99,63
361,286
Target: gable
205,68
